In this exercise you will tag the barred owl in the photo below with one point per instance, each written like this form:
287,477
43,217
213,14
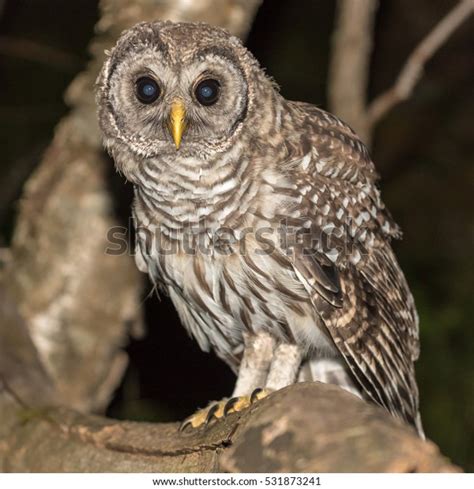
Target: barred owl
260,218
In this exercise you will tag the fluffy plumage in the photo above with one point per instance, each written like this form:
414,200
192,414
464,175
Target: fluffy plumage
267,220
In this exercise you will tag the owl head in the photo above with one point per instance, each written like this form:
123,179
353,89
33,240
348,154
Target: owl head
177,88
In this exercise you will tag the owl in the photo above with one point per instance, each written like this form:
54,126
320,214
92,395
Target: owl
261,219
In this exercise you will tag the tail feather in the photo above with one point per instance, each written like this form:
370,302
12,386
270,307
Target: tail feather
334,371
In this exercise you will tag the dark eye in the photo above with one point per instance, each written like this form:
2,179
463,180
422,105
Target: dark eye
207,92
147,90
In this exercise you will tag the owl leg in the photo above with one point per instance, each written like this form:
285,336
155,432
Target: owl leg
253,371
284,368
264,364
255,363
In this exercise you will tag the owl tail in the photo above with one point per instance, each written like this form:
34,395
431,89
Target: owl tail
329,371
334,371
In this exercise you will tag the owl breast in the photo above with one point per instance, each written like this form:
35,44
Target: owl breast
223,287
203,236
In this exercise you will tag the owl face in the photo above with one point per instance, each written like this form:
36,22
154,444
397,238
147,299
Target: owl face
169,88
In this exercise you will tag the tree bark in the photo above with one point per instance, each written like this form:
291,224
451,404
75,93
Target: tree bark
308,427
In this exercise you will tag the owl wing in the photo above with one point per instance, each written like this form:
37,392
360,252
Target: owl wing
348,267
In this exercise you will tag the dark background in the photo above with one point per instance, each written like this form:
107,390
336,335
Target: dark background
423,151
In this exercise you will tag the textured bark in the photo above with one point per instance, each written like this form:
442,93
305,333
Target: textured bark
76,310
303,428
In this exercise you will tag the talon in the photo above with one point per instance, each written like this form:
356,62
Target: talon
221,409
204,416
184,425
259,394
230,404
211,414
254,395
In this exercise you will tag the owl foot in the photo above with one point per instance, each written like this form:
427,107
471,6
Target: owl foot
222,408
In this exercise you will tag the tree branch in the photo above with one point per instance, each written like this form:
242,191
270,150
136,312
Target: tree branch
308,427
413,68
349,65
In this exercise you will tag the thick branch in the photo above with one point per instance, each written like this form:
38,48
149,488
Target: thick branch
21,373
413,68
349,68
303,428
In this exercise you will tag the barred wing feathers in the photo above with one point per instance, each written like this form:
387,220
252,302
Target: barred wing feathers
358,290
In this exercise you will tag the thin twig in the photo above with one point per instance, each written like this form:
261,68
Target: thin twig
413,68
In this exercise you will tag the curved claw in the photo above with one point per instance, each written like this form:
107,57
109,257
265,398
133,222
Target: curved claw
221,409
184,425
210,415
254,396
230,404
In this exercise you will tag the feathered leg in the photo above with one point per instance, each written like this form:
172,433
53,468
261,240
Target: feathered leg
253,373
285,365
255,363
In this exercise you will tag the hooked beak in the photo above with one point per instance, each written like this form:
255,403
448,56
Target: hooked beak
177,121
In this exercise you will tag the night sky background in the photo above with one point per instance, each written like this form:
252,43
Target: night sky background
423,151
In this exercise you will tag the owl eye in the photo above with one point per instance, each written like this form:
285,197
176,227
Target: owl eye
147,90
207,92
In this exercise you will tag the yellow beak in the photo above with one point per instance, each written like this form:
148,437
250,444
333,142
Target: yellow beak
177,122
